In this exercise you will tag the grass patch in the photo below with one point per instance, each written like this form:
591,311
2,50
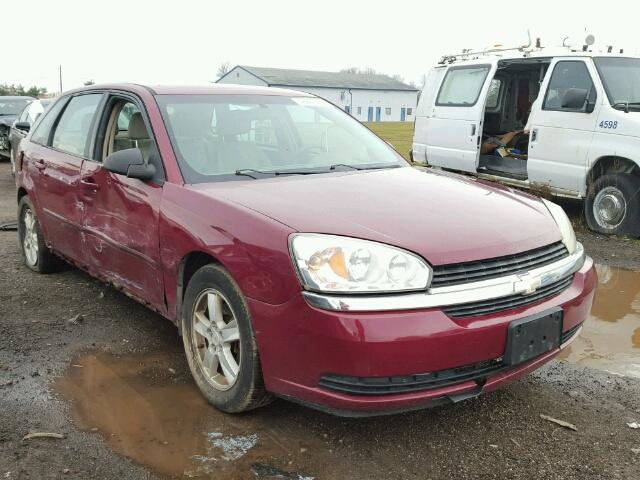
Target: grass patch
398,134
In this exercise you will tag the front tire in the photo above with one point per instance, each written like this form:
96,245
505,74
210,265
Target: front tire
35,252
612,206
220,343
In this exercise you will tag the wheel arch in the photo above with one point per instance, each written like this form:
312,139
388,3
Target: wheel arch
189,264
21,193
611,164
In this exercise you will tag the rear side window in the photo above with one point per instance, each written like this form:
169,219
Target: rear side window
72,132
42,132
493,96
462,85
568,75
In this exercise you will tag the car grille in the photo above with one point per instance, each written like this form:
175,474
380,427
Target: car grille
455,274
410,383
485,307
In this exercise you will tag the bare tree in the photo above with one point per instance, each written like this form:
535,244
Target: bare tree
350,70
223,69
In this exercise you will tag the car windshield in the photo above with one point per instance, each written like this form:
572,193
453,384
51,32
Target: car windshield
621,79
226,137
12,106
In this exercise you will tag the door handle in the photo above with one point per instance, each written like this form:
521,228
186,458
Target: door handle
534,134
473,129
39,163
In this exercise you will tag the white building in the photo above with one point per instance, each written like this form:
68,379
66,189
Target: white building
368,97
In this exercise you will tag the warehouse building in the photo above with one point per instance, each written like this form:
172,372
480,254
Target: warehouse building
367,97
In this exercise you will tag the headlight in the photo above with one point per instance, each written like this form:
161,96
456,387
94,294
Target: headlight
564,224
334,264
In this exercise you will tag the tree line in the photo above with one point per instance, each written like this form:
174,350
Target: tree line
22,91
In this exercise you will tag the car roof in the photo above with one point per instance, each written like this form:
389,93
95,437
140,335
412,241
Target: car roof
16,97
214,89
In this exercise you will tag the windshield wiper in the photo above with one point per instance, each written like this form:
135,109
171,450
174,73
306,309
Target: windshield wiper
626,105
336,165
373,167
249,171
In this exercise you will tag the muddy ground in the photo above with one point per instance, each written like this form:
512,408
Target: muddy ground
116,385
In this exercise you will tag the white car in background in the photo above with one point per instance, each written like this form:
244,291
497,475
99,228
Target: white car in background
564,121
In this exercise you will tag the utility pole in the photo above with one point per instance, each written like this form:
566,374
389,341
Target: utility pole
60,75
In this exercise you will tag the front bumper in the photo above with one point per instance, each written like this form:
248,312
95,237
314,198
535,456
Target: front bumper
300,344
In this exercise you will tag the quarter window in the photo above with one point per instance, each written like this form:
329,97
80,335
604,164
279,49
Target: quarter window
72,132
493,96
42,133
568,75
461,86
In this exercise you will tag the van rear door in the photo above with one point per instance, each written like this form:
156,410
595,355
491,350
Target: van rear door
454,125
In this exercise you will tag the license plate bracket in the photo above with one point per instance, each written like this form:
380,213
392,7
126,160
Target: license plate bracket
532,336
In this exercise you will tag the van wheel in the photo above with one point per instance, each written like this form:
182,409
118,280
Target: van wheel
220,343
612,205
34,249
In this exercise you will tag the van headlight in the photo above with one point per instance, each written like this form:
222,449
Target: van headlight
564,224
335,264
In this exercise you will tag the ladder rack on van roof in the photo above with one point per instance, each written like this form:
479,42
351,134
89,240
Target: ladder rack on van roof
526,50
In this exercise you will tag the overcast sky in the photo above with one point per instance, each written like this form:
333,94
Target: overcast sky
184,42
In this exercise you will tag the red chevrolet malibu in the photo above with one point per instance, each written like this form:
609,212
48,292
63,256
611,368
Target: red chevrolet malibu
299,255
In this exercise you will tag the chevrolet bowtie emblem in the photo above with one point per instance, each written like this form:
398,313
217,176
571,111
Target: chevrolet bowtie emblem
527,284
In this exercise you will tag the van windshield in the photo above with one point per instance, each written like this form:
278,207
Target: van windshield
227,137
621,79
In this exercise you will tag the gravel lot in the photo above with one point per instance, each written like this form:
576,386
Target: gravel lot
116,385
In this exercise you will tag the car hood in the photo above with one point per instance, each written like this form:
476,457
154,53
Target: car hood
443,217
7,120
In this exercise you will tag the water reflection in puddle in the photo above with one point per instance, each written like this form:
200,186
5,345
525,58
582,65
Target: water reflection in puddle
610,339
148,408
149,413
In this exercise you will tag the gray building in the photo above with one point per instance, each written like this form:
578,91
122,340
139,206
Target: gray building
367,97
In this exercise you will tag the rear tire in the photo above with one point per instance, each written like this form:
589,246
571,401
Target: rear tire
35,252
612,206
219,342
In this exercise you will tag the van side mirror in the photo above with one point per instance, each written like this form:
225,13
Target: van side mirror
575,98
129,162
22,126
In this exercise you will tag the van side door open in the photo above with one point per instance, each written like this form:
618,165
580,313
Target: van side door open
563,121
454,124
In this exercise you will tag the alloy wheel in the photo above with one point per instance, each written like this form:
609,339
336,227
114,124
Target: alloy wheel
609,207
216,338
30,239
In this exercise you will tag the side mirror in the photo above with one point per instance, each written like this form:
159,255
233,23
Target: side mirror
575,98
23,126
129,162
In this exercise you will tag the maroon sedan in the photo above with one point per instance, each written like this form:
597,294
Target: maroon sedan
299,255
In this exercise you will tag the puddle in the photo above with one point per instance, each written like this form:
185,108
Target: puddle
157,417
147,407
610,339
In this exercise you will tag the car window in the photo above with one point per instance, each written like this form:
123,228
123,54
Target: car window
215,136
24,114
568,75
42,132
34,111
462,85
493,96
72,132
124,117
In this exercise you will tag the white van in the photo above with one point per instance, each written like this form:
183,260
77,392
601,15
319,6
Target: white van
574,116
